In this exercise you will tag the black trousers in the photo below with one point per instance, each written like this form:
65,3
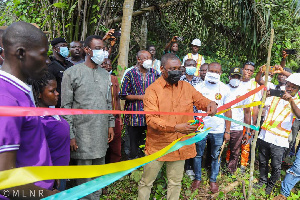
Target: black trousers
266,152
136,137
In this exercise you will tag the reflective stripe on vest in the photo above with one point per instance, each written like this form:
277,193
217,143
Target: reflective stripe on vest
273,123
199,60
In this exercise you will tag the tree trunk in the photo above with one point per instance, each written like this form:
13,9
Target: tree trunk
125,36
144,30
84,25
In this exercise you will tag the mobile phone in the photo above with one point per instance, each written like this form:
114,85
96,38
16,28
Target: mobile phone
271,69
180,38
290,51
116,34
276,93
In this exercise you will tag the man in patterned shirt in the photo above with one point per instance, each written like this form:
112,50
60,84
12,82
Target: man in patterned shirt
190,69
132,90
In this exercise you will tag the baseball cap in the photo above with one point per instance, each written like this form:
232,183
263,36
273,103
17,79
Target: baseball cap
55,41
294,78
196,42
236,70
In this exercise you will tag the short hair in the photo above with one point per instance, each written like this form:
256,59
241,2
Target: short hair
168,56
189,60
22,33
249,63
88,40
151,45
140,52
287,70
39,85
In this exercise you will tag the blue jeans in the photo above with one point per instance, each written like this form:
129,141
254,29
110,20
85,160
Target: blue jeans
292,177
216,141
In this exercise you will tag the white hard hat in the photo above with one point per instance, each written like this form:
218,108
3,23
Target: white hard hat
294,78
196,42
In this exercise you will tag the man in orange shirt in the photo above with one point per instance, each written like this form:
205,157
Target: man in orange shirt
164,129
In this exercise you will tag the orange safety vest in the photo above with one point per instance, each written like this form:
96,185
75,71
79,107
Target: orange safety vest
273,123
199,60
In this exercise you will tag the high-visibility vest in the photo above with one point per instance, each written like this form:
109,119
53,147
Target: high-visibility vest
273,123
199,60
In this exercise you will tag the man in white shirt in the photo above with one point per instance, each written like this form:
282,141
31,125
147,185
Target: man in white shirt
196,43
213,89
273,138
238,114
249,84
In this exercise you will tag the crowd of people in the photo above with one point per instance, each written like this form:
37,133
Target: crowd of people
79,75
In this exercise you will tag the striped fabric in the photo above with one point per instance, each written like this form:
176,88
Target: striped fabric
134,83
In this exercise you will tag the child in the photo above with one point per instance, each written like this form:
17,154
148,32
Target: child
57,129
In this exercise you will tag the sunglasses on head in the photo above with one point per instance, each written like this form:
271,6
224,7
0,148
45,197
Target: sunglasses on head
250,63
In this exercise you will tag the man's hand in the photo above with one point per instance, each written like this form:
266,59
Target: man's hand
73,144
185,128
212,108
226,136
287,97
278,69
113,41
50,192
284,54
108,34
111,134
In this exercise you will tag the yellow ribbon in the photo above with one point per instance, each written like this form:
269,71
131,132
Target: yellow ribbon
256,103
26,175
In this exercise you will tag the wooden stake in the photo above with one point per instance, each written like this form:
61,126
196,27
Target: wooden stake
222,148
253,146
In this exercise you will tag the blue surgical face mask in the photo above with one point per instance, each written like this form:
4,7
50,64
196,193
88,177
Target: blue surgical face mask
64,51
190,70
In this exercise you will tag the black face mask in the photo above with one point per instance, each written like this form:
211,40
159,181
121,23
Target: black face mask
174,76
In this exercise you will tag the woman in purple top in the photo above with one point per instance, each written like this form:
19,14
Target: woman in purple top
57,129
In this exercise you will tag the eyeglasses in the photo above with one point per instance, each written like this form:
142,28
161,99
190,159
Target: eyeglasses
250,63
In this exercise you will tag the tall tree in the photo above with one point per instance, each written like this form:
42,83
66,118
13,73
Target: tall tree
125,37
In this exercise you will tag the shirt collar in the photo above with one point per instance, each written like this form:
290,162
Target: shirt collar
54,116
15,81
163,82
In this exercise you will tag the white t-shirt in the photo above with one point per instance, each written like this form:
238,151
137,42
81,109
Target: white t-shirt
195,57
251,86
212,92
238,113
272,86
286,124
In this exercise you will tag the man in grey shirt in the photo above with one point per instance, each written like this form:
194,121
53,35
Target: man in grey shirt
87,86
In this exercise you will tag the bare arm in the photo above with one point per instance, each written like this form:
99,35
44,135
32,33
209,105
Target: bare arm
134,97
169,44
258,77
247,117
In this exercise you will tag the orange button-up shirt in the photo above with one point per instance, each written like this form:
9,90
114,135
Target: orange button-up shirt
160,96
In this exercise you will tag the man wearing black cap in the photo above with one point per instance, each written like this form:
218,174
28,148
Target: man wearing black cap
59,63
238,114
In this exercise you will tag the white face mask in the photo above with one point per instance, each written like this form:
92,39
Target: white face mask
106,54
269,78
234,82
212,77
98,56
147,64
